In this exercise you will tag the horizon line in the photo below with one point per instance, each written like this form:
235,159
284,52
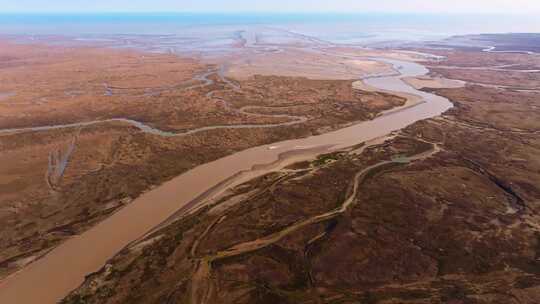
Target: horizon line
351,13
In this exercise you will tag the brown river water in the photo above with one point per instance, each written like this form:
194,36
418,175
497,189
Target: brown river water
51,278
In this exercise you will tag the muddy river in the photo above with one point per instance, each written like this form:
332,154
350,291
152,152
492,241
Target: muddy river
51,278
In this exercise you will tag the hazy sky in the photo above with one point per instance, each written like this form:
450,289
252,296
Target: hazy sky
448,6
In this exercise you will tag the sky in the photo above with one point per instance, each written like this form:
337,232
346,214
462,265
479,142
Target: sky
284,6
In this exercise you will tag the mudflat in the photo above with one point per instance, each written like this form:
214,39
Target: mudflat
443,211
84,140
160,178
179,192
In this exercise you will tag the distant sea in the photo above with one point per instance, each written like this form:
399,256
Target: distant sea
337,28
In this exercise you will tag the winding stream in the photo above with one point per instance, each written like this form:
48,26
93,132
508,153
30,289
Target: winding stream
293,120
201,287
52,277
